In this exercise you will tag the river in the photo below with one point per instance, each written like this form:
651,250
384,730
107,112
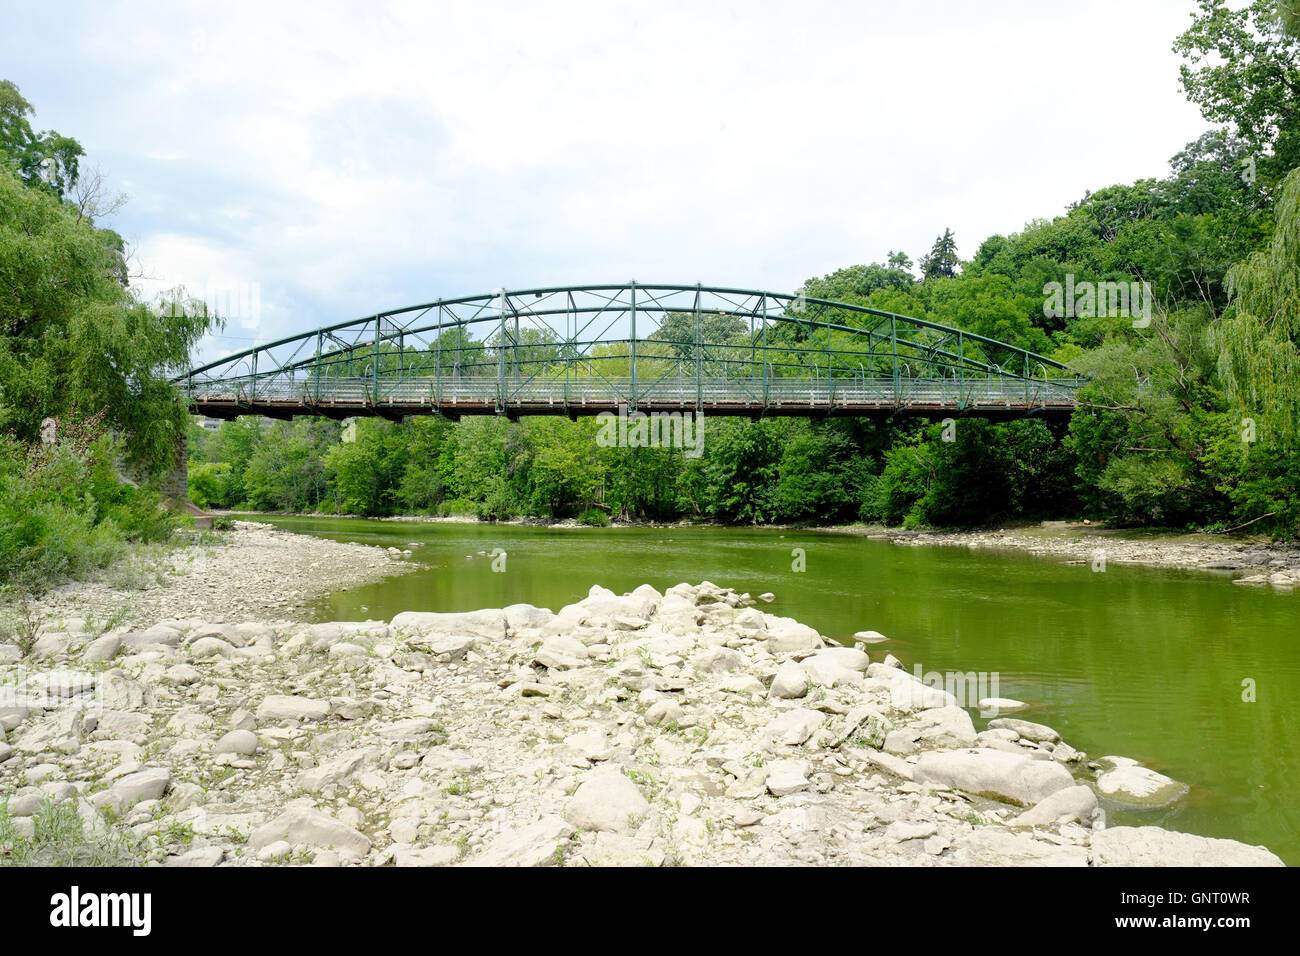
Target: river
1142,662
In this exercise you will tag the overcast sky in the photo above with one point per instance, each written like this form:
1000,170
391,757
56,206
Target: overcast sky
343,158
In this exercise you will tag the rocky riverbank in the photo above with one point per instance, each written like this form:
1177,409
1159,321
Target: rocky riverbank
252,573
1251,561
687,727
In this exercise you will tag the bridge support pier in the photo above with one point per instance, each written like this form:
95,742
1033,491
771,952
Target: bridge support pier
176,487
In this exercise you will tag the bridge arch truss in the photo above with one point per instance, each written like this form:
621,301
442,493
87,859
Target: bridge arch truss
579,350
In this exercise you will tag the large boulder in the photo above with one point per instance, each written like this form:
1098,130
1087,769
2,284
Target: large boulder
537,844
906,692
606,800
1152,846
993,773
1139,786
240,742
148,784
794,727
282,707
302,826
944,727
786,634
337,770
1038,733
1064,806
489,623
561,653
992,846
791,682
832,666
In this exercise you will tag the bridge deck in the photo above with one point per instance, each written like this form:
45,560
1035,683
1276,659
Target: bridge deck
345,398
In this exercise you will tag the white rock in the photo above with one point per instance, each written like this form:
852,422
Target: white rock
562,653
345,649
790,682
301,826
102,649
794,727
869,637
606,800
148,784
664,712
425,856
1138,785
945,727
785,777
536,844
210,647
1152,846
787,634
242,742
489,623
992,706
337,770
206,856
282,707
1072,803
983,771
1026,729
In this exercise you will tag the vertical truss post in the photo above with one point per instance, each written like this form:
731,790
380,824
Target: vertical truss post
961,369
830,381
501,356
374,368
632,397
699,353
437,372
316,366
766,383
893,342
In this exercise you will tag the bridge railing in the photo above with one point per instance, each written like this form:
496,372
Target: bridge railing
361,393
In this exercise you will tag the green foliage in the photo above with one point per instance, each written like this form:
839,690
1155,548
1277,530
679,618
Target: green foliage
1243,67
594,517
73,339
45,161
62,838
941,262
63,511
1259,339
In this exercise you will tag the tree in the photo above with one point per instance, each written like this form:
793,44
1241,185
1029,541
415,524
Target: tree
73,339
1259,339
1243,68
856,283
45,161
942,261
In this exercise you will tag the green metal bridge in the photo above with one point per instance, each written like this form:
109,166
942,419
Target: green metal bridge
581,350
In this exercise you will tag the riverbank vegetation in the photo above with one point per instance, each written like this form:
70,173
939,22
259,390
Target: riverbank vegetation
84,367
1190,419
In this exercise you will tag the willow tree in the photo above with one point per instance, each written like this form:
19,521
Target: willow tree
1258,340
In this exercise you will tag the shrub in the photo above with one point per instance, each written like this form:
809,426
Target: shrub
63,512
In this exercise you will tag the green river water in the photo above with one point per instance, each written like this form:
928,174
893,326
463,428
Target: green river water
1140,662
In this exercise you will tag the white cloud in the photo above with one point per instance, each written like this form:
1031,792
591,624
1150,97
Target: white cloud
352,157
